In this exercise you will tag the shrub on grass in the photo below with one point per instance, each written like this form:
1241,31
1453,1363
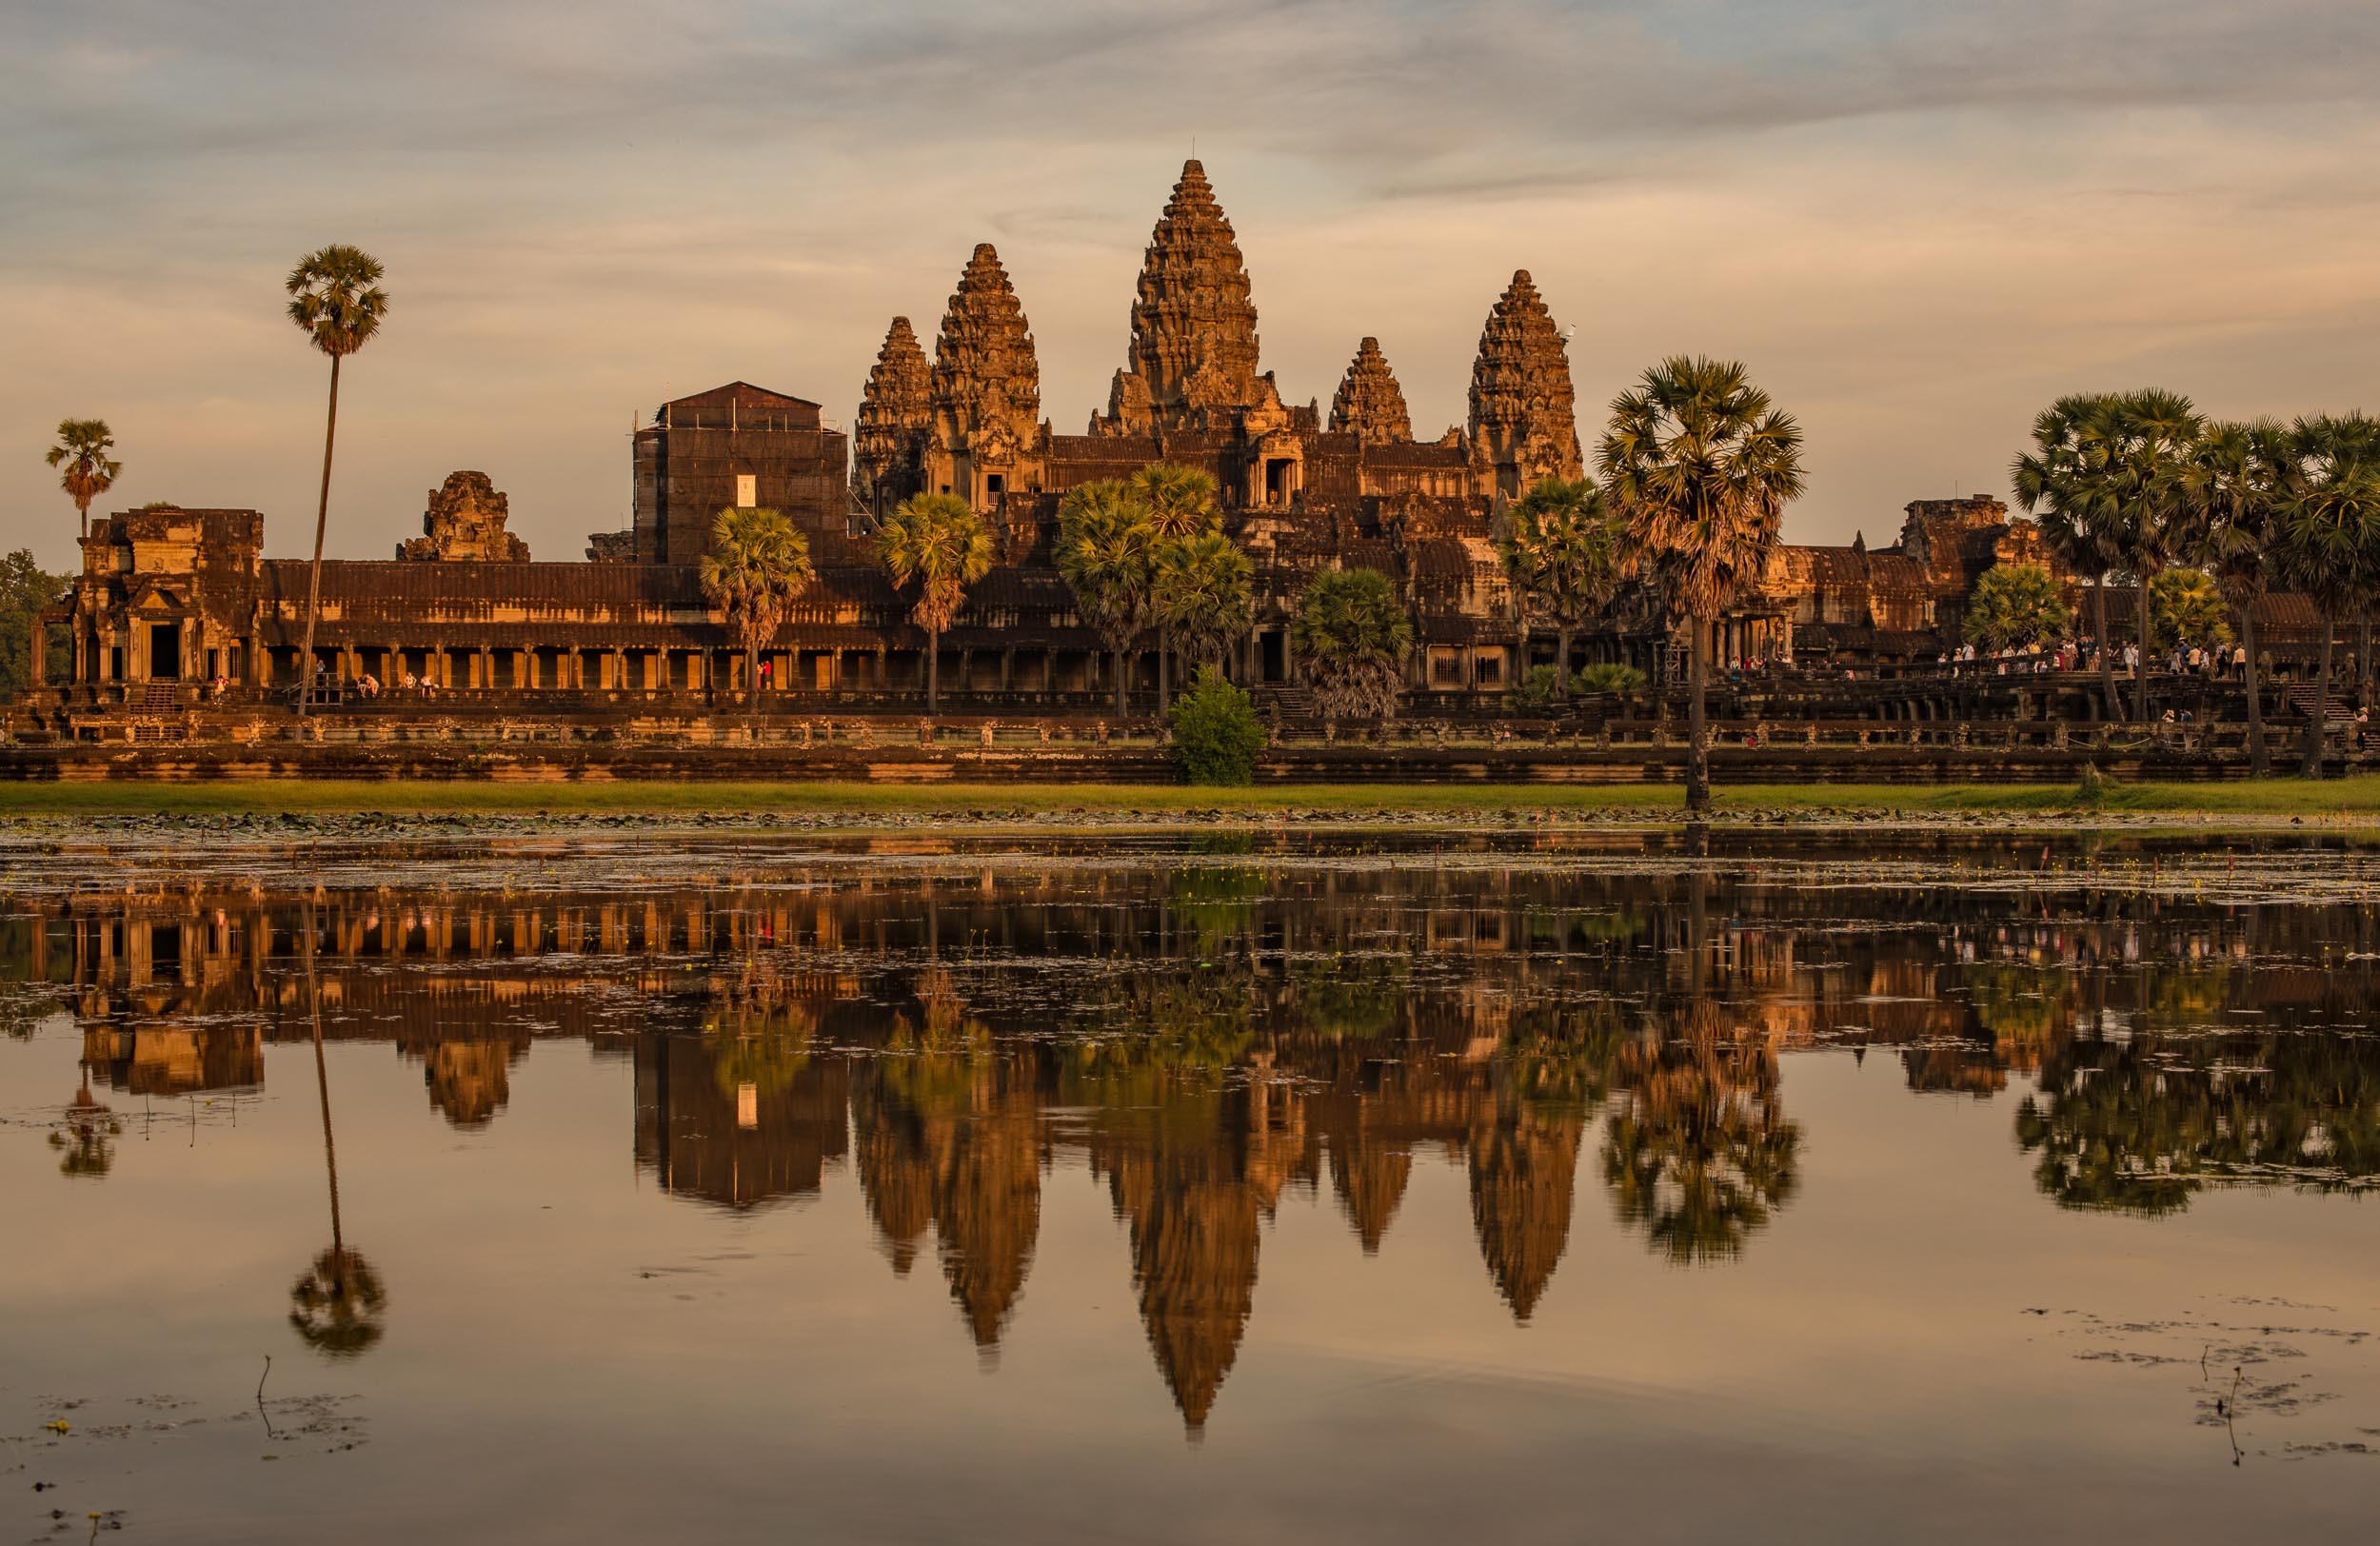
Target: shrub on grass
1216,732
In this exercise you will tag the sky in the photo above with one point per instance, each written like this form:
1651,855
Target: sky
1915,222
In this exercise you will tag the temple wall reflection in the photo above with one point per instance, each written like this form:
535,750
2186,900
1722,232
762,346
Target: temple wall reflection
1206,1038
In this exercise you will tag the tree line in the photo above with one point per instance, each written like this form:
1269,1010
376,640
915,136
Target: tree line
2142,483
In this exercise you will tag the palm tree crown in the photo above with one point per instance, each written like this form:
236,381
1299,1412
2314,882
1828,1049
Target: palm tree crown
335,297
1179,500
82,450
1203,587
1703,466
758,566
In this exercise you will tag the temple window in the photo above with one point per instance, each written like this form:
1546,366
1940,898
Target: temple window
995,485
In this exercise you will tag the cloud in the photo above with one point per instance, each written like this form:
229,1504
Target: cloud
1917,221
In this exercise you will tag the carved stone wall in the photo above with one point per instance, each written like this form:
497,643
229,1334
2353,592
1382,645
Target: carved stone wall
465,524
1524,423
1370,404
896,421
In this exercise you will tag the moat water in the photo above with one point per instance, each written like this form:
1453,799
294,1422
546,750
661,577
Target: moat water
1276,1186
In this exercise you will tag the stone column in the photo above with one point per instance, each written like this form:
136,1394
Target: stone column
34,649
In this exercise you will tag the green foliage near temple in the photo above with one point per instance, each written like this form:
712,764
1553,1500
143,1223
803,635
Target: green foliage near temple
1565,549
1106,553
2186,607
1352,636
2016,604
1205,591
1216,734
24,589
758,566
1607,676
937,542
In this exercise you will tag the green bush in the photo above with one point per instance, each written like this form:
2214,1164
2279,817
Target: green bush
1607,676
1216,732
1535,695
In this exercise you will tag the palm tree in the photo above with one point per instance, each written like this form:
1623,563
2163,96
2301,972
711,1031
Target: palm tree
1352,636
1180,504
1204,597
2058,483
2233,488
1565,550
335,297
758,566
82,449
2147,438
1702,465
1106,551
2330,536
938,541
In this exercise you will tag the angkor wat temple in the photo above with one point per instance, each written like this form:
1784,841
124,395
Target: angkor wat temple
171,598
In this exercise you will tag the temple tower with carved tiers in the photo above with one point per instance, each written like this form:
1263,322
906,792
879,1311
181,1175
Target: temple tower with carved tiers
1524,423
987,391
1370,405
1193,360
896,423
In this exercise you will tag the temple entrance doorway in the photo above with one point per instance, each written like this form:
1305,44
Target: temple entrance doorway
1277,476
165,652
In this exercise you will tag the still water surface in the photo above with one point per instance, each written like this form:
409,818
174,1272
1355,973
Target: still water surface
1254,1187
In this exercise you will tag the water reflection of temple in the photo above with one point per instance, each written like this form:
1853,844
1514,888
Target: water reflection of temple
1207,1038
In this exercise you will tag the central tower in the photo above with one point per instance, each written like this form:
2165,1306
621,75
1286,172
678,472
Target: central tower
1193,344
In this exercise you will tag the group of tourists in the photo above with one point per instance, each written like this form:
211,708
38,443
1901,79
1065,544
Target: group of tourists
2215,663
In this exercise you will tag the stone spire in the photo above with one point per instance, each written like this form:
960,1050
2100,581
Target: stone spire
896,419
987,385
1524,423
1194,344
1370,404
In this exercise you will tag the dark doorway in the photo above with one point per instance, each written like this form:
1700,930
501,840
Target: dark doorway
165,652
1277,480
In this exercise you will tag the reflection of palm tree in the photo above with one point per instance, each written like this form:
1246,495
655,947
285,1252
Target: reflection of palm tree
88,1135
336,1306
1698,1151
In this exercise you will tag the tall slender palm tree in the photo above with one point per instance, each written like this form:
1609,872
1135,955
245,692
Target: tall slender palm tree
758,567
938,542
1180,504
2234,487
336,300
1106,553
1702,465
1565,550
1204,595
2330,532
82,450
2147,438
2058,483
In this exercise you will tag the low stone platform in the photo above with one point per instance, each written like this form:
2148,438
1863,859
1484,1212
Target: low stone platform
1143,762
